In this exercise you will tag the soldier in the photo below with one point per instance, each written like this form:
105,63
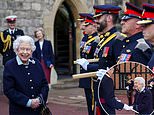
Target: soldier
135,48
106,17
87,48
7,38
148,23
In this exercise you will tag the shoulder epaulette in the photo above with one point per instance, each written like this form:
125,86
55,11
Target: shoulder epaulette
120,36
6,41
142,45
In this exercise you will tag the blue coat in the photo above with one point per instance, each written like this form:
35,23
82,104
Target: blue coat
143,102
21,83
9,53
46,53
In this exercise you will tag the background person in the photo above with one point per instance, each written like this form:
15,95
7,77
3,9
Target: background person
44,52
134,47
9,35
106,19
24,79
87,48
148,26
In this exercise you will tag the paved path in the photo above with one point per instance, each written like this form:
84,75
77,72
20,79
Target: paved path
66,99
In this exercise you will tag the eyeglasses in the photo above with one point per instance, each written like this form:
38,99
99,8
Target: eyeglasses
25,49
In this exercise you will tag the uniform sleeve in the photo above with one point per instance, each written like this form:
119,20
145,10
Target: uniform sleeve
92,67
22,33
141,57
108,94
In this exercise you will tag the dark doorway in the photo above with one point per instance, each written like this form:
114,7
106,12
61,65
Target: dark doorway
64,38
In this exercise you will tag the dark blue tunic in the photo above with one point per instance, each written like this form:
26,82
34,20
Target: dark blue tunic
9,53
133,52
87,52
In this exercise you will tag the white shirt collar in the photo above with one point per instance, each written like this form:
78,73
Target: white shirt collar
20,62
142,89
11,30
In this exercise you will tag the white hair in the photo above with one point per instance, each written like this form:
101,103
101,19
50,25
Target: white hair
140,80
24,39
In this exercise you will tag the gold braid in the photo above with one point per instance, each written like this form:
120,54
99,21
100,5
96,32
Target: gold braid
6,42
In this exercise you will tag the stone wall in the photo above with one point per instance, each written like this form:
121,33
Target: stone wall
30,13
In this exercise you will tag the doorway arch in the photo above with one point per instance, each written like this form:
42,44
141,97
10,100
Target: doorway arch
61,23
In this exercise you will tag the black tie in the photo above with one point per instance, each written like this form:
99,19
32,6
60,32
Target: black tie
11,32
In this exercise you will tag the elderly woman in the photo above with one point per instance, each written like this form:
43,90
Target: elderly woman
24,79
44,52
143,97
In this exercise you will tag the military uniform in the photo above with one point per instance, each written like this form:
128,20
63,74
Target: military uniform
148,19
106,52
9,53
135,48
151,62
87,48
6,42
107,97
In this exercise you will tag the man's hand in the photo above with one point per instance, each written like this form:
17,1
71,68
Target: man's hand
83,62
100,73
126,107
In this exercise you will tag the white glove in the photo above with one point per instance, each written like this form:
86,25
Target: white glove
126,107
100,73
83,62
117,99
127,88
131,107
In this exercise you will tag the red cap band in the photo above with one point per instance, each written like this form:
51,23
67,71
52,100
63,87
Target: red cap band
132,12
148,15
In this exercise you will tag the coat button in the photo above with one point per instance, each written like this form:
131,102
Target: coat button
128,50
26,66
127,41
30,80
32,87
28,73
32,95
